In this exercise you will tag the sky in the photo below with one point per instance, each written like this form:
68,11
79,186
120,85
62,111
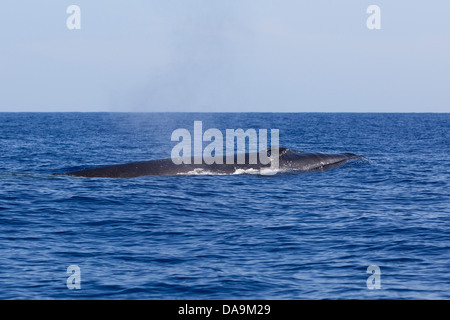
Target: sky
225,56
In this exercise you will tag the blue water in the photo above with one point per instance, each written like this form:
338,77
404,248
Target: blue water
286,236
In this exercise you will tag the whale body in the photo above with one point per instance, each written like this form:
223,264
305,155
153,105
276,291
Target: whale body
289,160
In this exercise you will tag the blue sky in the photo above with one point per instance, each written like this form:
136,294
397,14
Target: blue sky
225,56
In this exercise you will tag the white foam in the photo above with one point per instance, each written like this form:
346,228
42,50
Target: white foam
270,171
262,171
246,171
198,171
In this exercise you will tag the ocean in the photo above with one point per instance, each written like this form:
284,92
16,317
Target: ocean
288,236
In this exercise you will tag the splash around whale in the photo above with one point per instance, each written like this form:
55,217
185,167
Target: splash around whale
288,160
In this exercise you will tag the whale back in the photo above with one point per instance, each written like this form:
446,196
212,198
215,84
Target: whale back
301,160
289,159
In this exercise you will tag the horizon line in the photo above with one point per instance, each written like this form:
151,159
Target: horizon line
359,112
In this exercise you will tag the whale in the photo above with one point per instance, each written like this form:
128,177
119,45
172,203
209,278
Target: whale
288,160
